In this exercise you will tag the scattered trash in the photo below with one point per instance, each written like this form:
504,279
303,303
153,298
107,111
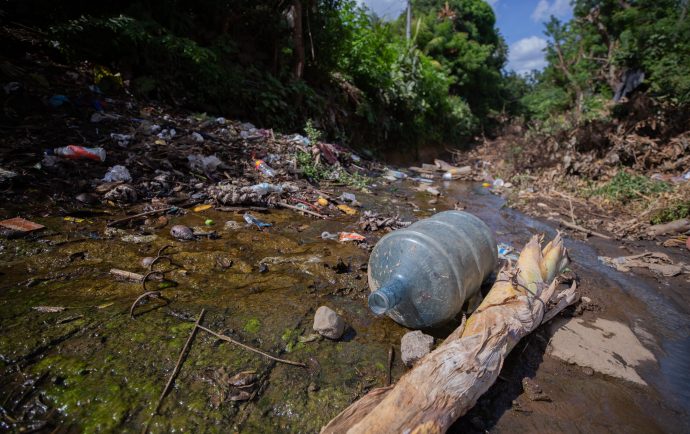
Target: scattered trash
329,236
456,172
209,222
394,175
198,138
264,168
182,233
122,140
250,219
204,207
328,323
6,175
75,152
265,188
348,197
486,185
56,101
322,201
657,262
396,275
371,221
415,345
347,210
498,183
21,225
507,252
350,236
117,173
204,164
75,219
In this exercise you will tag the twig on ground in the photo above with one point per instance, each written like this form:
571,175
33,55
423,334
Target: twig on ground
306,211
584,230
247,347
141,214
180,360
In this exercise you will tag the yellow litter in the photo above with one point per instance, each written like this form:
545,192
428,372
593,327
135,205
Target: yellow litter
203,207
347,210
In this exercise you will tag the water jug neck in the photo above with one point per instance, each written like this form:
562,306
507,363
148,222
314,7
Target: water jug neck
386,297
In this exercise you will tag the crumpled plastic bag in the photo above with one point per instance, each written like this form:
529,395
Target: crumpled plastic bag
206,164
117,173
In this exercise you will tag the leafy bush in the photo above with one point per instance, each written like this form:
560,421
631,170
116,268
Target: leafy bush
624,186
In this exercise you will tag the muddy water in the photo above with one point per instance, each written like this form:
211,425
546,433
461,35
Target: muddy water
92,368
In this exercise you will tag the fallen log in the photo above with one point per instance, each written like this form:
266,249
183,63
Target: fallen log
446,383
674,227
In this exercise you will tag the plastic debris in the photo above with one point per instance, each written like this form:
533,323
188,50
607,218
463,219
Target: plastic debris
117,173
350,236
498,183
348,197
250,219
75,152
21,225
206,164
75,219
486,185
395,174
203,207
329,236
6,174
209,222
265,188
264,168
122,140
507,252
321,201
347,210
56,101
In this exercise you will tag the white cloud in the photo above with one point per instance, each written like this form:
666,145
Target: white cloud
527,54
544,9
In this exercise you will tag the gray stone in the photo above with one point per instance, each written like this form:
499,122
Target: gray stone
328,323
181,232
415,345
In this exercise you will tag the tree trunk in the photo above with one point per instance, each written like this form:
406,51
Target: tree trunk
298,40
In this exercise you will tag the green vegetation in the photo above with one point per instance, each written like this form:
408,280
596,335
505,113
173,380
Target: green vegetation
252,326
589,56
625,186
677,210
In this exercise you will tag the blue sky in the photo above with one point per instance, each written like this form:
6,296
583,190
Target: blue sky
519,21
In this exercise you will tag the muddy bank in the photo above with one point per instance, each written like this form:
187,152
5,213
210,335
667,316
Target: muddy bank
90,367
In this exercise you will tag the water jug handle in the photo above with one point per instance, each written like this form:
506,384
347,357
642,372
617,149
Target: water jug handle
386,297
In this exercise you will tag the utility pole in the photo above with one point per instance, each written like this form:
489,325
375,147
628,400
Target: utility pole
409,19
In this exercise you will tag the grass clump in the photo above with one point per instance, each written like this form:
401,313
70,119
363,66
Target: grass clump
675,211
625,186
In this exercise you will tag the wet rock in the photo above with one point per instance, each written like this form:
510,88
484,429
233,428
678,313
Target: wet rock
147,261
533,390
87,198
139,239
328,323
415,345
182,233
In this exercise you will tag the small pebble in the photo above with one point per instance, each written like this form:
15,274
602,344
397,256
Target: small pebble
147,261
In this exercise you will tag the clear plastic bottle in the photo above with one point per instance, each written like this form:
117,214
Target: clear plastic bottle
422,275
264,168
74,152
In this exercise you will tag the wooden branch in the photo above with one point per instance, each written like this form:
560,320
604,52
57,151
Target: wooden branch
584,230
247,347
306,211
